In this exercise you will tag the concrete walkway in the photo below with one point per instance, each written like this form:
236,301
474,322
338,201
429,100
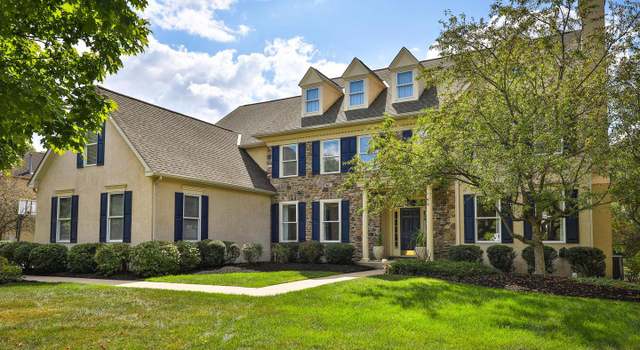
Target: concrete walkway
255,292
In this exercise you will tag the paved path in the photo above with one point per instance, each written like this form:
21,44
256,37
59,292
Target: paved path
256,292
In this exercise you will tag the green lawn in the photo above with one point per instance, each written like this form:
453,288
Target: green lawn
243,279
372,313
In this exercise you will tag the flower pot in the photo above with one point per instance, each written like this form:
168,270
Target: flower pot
378,252
421,253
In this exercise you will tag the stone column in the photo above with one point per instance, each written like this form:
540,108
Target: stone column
365,226
430,233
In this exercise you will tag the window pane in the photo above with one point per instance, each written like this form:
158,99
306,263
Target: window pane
356,86
313,94
367,157
331,231
116,206
289,152
116,226
92,154
190,230
290,231
64,210
289,212
356,99
405,91
289,168
313,106
331,164
330,212
191,206
65,230
331,148
487,229
405,78
486,208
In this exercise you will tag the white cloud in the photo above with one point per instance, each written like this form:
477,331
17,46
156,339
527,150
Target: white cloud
433,52
194,17
208,86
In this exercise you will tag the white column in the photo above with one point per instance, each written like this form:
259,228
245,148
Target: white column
365,226
430,248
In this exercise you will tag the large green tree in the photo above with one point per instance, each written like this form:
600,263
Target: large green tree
52,55
521,117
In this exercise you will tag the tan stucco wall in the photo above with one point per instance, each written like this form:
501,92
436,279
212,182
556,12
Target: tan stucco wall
121,168
259,155
238,216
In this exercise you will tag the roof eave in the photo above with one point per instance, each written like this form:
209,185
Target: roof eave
211,183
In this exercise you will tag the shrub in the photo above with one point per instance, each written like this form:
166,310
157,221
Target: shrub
189,256
212,253
281,253
585,261
470,253
251,252
501,257
632,268
550,255
7,249
22,253
310,252
339,253
440,268
155,258
231,253
81,258
9,272
112,258
49,258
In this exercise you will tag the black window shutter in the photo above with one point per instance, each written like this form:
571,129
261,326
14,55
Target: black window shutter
275,162
315,157
177,223
469,219
74,219
315,221
54,219
79,161
406,134
572,223
101,138
507,222
275,223
126,232
302,221
204,220
302,159
345,221
347,152
103,216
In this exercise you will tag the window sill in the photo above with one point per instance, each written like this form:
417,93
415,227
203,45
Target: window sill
286,176
58,241
283,241
116,241
554,242
323,241
488,242
333,172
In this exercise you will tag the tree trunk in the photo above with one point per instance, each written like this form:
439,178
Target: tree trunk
538,250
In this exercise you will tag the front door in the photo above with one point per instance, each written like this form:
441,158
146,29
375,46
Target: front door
409,225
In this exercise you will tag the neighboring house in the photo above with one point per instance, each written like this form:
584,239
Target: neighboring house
18,205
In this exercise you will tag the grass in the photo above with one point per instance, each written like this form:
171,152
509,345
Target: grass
373,313
243,279
609,282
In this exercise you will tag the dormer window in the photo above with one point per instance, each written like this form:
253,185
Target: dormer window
356,93
312,100
404,84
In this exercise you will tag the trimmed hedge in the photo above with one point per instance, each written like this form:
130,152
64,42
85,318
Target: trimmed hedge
189,256
280,253
112,258
310,252
585,261
49,258
440,268
22,254
470,253
9,272
231,253
501,257
7,249
81,258
155,258
632,268
251,252
212,253
339,253
550,255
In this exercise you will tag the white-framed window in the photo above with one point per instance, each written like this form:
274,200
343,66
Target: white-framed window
330,156
115,217
191,214
554,230
404,84
289,222
91,150
363,148
312,100
63,225
330,216
289,160
27,207
488,228
356,93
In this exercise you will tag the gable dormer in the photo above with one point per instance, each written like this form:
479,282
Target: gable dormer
319,93
361,85
405,85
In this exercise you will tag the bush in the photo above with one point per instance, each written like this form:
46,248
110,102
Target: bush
189,256
22,253
550,255
339,253
7,249
310,252
501,257
155,258
470,253
212,253
585,261
82,258
281,253
112,258
251,252
632,268
231,253
440,268
49,258
9,272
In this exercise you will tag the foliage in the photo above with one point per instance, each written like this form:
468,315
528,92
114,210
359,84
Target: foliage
585,261
112,258
53,55
440,268
339,253
465,252
632,268
380,240
7,249
281,253
81,258
501,257
9,272
49,258
420,238
11,191
212,252
550,255
609,282
231,253
155,258
22,253
190,257
251,252
310,252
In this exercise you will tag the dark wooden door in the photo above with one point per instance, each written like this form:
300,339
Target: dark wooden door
409,225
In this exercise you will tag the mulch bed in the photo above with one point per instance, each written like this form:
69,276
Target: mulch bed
549,285
270,267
